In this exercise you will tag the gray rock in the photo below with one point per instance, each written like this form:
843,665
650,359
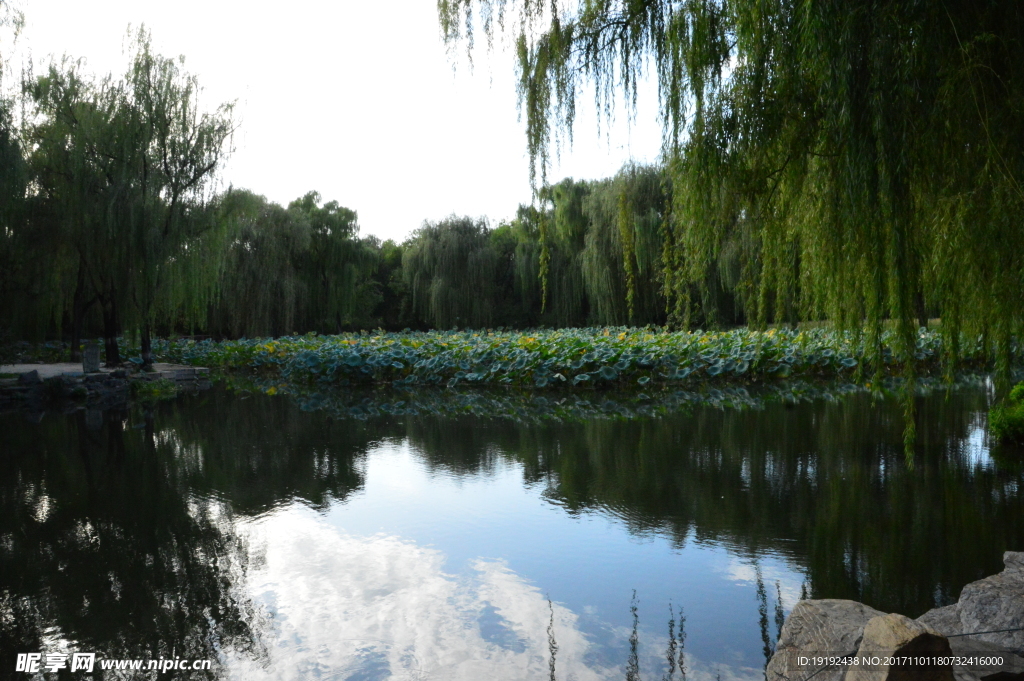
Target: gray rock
91,358
996,603
993,603
898,635
945,620
818,628
1014,562
29,378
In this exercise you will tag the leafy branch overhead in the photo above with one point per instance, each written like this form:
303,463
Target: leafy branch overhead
863,160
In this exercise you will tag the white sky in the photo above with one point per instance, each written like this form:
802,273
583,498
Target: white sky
357,100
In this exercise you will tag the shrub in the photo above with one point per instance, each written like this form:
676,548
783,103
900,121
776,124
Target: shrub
1006,419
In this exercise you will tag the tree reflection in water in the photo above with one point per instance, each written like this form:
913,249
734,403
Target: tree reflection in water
117,531
821,484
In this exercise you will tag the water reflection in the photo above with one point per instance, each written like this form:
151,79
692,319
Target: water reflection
246,531
823,483
105,550
385,607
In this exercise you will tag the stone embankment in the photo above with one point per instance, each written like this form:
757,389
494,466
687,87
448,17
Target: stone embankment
986,624
33,386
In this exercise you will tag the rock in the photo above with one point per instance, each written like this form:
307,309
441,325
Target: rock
30,378
993,603
91,358
891,635
979,651
1014,562
818,628
944,620
996,603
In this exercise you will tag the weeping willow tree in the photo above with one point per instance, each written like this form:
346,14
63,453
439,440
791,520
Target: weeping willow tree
173,151
526,262
449,267
563,230
13,182
261,290
78,148
14,265
621,260
337,266
289,270
862,162
594,248
120,171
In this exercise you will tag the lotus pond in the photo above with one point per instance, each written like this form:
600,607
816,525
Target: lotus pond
581,358
442,534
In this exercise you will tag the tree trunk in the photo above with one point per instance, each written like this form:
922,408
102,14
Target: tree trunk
922,313
111,329
79,306
147,348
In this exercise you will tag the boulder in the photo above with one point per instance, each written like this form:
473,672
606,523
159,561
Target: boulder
841,628
945,620
895,635
991,604
29,378
826,627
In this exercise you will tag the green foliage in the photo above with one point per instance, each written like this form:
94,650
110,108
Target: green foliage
855,162
291,269
600,248
1006,419
24,352
449,268
261,288
120,170
13,182
562,241
622,257
638,359
337,266
151,391
394,309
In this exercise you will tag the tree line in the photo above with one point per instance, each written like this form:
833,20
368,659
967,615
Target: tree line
860,165
112,224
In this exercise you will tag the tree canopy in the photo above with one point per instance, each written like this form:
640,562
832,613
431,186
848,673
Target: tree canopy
852,161
106,201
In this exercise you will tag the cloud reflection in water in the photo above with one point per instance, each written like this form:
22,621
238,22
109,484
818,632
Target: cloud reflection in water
379,607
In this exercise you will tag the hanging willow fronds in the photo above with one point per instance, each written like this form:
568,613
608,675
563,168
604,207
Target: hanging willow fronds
449,267
860,162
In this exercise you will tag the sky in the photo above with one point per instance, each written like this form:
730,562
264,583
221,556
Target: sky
357,100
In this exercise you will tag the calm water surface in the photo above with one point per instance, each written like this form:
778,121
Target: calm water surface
282,544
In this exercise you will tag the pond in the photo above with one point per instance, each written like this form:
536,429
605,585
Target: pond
279,543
